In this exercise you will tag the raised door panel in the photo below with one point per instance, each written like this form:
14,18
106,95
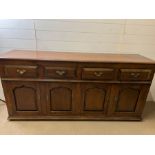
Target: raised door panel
94,95
94,98
128,100
61,98
23,98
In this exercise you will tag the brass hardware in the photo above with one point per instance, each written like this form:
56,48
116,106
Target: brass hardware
21,71
98,74
135,75
60,72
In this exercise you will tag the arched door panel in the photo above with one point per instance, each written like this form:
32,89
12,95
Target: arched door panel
95,98
61,98
128,99
24,98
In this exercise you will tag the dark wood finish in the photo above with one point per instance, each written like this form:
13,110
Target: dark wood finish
61,98
23,98
75,86
128,100
98,74
135,74
95,98
60,72
21,71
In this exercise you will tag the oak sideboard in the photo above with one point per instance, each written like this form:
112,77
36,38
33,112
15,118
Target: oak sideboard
41,85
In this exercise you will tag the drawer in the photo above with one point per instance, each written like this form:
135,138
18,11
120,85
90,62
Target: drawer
135,74
60,72
21,71
98,73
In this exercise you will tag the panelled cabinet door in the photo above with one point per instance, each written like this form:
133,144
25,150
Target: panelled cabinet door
128,99
94,98
61,98
23,98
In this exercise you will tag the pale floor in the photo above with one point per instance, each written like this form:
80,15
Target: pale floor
146,126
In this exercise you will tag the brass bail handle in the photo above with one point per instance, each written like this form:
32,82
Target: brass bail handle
21,71
60,72
98,74
135,75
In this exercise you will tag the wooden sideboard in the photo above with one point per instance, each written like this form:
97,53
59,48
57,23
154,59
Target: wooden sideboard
41,85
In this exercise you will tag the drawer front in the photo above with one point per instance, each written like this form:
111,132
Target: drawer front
60,72
21,71
98,74
135,74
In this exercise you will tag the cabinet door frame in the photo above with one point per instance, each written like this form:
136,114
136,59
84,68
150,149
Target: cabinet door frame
71,88
100,86
10,86
116,88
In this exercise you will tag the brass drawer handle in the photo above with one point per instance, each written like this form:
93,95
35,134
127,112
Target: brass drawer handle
98,74
21,71
135,75
61,73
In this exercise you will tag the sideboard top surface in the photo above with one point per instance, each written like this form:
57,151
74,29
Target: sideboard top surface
74,57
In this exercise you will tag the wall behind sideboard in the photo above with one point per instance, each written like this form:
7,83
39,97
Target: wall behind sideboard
107,36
